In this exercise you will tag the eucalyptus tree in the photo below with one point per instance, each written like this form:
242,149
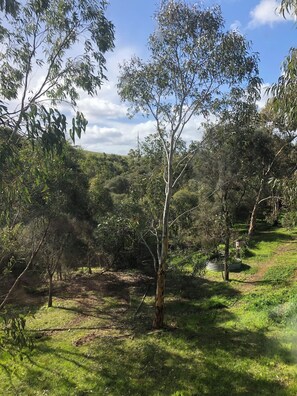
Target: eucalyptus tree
49,51
272,147
284,91
288,6
9,6
56,189
284,100
192,67
288,190
271,160
54,247
223,168
282,108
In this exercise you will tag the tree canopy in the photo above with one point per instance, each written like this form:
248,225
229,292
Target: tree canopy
195,68
50,52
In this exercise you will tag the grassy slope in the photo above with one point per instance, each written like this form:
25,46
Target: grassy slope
222,339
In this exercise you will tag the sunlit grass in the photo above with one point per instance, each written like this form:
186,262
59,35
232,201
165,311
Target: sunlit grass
220,339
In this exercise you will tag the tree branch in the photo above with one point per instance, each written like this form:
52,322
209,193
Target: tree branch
33,255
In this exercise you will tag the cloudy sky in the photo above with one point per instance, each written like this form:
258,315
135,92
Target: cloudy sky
109,129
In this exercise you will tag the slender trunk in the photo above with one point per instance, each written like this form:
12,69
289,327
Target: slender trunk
161,276
227,237
151,253
226,259
159,301
89,265
275,211
50,290
158,322
59,272
33,255
253,217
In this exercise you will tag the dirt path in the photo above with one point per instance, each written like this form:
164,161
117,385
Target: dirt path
253,280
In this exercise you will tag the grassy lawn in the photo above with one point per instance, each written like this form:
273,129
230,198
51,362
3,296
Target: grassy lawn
236,338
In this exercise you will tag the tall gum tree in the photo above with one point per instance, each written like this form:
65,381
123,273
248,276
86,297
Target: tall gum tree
193,66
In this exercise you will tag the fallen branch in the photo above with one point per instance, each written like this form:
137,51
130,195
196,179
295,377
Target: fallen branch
104,271
61,329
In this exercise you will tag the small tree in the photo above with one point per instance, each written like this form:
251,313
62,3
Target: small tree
192,66
52,252
224,166
270,159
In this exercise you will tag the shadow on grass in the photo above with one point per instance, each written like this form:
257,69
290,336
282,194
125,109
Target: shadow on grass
89,310
193,288
264,282
248,253
243,268
269,236
164,370
197,354
212,361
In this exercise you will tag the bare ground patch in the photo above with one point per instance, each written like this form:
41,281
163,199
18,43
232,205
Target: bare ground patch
100,304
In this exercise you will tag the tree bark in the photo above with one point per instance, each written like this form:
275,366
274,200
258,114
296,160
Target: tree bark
226,259
158,322
59,272
227,237
253,217
50,290
89,264
33,255
159,301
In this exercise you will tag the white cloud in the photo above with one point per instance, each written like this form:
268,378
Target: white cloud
121,136
144,129
266,13
96,108
109,129
264,96
236,26
193,129
96,134
105,139
115,136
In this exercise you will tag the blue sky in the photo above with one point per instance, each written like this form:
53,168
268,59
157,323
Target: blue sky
109,130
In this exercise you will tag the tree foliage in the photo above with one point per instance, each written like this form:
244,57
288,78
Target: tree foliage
284,98
288,6
50,51
194,68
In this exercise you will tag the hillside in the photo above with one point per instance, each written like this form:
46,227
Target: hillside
236,338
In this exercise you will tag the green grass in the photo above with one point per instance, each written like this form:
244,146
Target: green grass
236,338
